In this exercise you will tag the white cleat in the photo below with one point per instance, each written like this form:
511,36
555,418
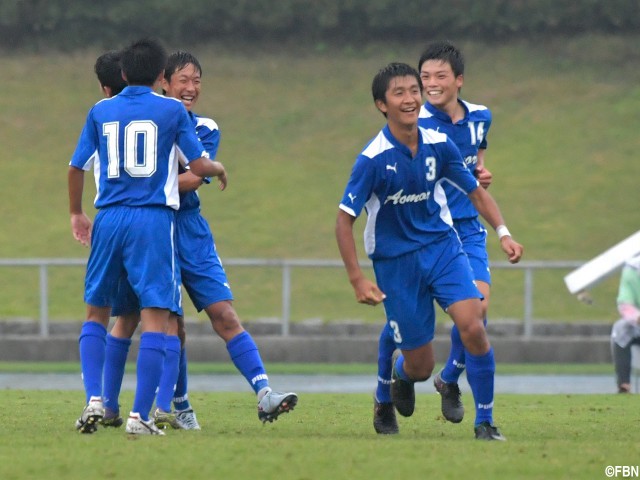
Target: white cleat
273,404
137,426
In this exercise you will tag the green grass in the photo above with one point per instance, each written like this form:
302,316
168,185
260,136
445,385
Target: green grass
328,436
562,150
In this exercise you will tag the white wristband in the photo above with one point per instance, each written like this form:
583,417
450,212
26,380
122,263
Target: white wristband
502,231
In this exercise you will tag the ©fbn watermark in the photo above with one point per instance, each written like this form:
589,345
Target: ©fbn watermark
622,471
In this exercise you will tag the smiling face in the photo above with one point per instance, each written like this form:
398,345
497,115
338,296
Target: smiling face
184,84
441,85
402,101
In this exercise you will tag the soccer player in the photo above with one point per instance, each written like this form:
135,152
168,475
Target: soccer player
132,141
441,69
417,255
204,280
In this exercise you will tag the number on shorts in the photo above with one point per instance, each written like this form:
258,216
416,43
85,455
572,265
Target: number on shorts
396,331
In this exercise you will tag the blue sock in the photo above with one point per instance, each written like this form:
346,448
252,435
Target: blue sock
386,347
114,363
148,372
180,396
455,363
480,374
246,357
400,369
91,344
169,373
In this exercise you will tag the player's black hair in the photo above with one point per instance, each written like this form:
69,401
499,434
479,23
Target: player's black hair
108,71
143,61
177,61
446,52
382,79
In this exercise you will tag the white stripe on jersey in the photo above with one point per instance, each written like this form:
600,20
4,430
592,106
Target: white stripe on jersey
206,122
373,207
377,146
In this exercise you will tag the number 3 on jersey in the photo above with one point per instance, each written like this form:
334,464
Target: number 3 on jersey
139,137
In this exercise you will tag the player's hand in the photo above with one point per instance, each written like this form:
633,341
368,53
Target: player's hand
484,177
222,180
367,292
512,248
81,228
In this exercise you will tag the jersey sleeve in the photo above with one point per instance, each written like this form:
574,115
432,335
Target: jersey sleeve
487,125
87,147
209,136
359,187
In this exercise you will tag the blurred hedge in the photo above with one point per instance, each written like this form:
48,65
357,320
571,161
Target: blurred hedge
66,25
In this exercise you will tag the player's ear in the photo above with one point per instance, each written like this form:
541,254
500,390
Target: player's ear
380,105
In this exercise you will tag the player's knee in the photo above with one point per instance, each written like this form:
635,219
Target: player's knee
224,320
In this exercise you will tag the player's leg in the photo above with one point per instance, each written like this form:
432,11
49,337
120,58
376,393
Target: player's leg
185,416
126,309
473,236
92,354
163,416
104,267
480,363
411,319
384,416
206,283
446,381
152,269
245,355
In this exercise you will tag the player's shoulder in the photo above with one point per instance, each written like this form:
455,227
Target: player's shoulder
377,145
424,112
206,123
431,136
477,111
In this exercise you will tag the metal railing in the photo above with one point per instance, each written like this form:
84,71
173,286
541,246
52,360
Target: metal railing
287,265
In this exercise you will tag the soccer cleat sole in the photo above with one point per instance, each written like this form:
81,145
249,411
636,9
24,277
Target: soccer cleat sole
287,405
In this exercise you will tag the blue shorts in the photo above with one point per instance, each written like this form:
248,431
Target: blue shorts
134,243
203,276
201,271
411,283
473,236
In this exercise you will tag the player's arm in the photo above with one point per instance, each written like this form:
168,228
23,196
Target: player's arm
205,167
189,182
80,223
483,175
488,209
366,291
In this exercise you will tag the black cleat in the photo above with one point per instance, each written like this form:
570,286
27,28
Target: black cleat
452,408
384,418
403,394
486,431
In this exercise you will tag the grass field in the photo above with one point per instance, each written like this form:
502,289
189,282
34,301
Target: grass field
328,436
562,150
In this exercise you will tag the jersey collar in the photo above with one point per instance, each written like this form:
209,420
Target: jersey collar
443,117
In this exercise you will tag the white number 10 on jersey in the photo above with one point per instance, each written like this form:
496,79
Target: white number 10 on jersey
137,135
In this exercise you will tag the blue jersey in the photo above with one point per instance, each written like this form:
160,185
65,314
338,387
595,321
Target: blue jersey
133,141
209,134
469,135
403,195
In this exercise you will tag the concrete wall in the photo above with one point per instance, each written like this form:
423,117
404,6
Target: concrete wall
332,343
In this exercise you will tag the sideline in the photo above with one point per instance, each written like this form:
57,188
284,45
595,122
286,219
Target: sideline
518,384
